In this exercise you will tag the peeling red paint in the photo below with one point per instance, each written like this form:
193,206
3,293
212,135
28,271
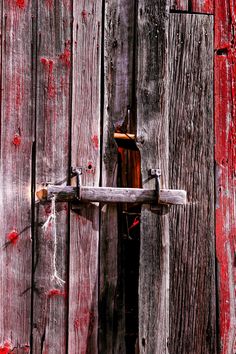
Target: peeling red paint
95,141
6,347
13,237
20,3
203,6
49,4
51,88
65,57
84,15
225,156
16,140
56,292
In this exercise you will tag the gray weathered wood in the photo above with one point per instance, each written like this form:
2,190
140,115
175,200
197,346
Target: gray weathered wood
152,135
117,195
118,72
179,5
191,166
85,144
16,136
52,154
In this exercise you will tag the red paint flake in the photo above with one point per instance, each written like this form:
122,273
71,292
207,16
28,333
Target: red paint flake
56,292
6,348
95,141
16,140
20,4
13,237
65,57
84,15
19,92
49,3
51,89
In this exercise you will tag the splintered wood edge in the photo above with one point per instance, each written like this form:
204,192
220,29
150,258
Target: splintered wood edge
114,195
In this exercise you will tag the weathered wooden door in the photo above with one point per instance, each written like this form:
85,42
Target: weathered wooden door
109,278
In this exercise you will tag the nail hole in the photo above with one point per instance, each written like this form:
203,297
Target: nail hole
90,166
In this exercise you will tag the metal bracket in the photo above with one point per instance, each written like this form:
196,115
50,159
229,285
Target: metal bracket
77,171
158,208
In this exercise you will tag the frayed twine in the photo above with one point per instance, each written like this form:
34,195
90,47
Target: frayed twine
51,220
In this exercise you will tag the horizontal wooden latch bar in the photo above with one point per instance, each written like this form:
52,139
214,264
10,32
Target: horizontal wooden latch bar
87,194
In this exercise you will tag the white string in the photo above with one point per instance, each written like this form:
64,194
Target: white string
52,219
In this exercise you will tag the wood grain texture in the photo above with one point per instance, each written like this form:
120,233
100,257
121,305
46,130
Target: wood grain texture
225,19
118,195
225,133
152,135
192,248
179,5
52,154
118,72
15,176
84,227
193,6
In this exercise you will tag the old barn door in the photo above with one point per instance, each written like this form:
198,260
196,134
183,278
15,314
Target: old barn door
117,87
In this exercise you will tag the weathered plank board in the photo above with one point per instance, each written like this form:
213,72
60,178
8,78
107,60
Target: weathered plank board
117,195
152,135
53,54
195,6
84,227
15,176
225,132
225,70
118,73
191,166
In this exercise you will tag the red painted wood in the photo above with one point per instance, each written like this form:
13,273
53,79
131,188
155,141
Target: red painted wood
202,6
199,6
225,155
225,20
16,137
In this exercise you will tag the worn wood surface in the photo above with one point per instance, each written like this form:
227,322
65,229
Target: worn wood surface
225,133
193,6
85,144
118,195
152,135
118,97
53,67
191,166
15,176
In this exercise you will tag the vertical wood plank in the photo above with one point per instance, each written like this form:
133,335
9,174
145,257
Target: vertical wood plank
16,146
191,165
152,135
225,19
225,119
52,155
84,239
15,176
118,61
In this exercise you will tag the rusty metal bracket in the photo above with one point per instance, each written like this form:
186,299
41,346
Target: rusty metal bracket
77,172
158,208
